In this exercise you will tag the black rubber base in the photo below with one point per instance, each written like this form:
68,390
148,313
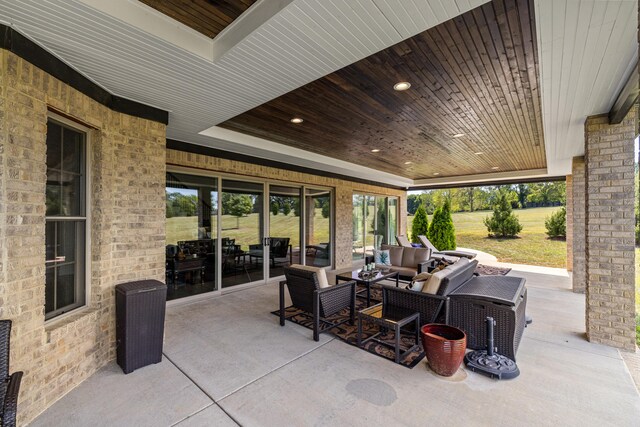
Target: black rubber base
496,366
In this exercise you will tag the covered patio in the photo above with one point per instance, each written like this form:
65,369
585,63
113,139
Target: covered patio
227,362
210,145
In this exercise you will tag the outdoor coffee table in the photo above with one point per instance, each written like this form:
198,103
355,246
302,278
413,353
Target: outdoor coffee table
380,276
393,318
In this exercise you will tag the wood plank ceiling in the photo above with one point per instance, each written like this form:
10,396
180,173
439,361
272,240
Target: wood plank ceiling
208,17
476,75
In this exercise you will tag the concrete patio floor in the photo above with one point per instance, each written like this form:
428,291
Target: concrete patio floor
228,362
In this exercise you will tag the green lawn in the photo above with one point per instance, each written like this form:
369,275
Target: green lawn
531,247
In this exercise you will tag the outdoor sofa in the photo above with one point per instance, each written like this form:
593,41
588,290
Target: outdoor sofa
456,296
407,261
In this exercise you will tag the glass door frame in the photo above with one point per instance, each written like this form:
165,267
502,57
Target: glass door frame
303,225
365,211
266,183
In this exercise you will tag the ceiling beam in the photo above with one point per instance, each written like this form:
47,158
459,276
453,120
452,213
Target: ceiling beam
479,179
492,183
626,98
252,19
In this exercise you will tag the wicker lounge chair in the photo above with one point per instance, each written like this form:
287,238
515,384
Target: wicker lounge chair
318,302
403,241
435,253
10,383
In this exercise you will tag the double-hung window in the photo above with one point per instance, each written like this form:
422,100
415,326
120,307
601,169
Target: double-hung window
66,220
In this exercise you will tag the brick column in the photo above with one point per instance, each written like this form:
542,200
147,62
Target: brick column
610,291
578,229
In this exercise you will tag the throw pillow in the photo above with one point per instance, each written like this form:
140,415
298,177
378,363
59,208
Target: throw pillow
419,281
382,257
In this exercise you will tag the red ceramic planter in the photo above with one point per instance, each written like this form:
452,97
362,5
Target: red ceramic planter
444,346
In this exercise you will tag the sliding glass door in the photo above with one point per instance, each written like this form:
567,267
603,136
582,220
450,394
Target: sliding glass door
284,228
375,222
318,217
358,226
223,231
191,234
242,232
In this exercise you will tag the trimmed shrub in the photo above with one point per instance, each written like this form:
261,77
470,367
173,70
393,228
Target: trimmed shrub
274,208
420,224
286,208
556,224
442,233
503,223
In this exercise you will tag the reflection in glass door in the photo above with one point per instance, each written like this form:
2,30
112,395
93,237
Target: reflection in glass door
358,227
284,228
375,222
392,229
370,235
191,230
318,227
242,225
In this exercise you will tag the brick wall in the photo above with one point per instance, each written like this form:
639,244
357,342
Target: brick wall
343,193
127,214
578,231
610,267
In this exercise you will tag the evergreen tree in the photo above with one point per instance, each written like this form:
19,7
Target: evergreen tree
442,233
286,208
420,224
503,223
556,224
326,208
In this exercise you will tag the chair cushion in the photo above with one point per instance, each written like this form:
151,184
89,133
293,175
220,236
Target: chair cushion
411,257
434,282
321,274
395,254
382,257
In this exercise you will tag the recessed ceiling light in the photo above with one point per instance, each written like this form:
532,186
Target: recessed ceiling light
458,135
477,153
375,150
297,120
401,86
436,173
407,163
495,167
